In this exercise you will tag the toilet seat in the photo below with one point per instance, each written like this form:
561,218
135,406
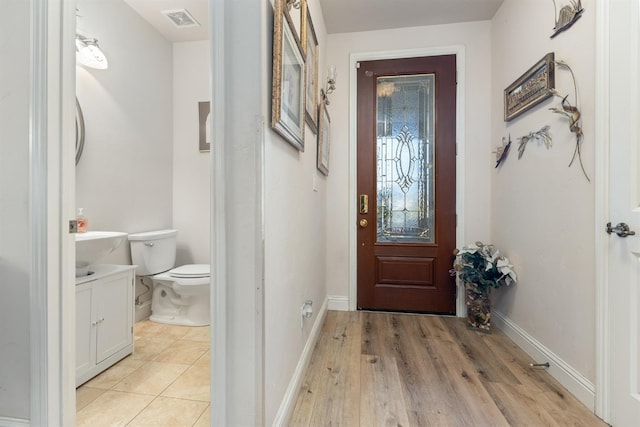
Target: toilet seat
191,271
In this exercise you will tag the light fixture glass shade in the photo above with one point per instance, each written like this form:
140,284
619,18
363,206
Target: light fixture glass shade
88,53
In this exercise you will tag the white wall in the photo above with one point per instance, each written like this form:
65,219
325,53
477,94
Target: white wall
475,37
191,168
543,210
295,240
124,179
14,210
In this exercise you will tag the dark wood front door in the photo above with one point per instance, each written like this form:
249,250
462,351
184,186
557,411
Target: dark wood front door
406,184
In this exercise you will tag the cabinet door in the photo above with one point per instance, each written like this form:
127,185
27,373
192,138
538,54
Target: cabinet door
85,350
114,323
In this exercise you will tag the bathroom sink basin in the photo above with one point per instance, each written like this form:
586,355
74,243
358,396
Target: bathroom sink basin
93,245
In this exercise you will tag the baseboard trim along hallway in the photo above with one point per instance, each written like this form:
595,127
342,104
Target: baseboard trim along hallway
291,395
565,374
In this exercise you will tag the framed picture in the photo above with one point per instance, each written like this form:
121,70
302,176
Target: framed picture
204,128
324,131
311,51
531,88
288,91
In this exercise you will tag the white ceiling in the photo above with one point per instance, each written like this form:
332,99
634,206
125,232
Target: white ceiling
341,16
344,16
151,11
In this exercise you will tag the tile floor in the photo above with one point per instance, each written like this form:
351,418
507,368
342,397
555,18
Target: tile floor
165,382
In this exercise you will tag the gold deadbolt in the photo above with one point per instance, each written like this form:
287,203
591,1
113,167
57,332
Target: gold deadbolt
364,223
364,204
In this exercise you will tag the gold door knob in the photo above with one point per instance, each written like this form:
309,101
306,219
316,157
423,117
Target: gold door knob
364,223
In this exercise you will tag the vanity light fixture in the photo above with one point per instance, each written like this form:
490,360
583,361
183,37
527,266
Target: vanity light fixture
330,86
88,53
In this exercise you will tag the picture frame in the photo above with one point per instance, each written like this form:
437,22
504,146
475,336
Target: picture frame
311,65
289,80
204,126
531,88
324,138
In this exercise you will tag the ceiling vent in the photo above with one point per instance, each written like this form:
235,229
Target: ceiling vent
181,18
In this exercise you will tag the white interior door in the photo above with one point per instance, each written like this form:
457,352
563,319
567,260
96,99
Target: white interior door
624,209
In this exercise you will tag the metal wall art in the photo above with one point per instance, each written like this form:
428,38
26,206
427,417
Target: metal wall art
288,89
540,135
530,89
503,151
569,14
572,113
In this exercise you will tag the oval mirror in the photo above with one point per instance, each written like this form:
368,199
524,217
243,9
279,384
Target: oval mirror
79,132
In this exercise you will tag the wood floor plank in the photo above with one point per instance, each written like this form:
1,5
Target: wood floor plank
312,384
351,412
381,403
339,386
428,400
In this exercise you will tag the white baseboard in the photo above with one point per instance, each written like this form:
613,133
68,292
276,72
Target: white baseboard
338,303
13,422
570,378
289,400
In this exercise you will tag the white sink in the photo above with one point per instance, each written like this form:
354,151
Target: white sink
93,245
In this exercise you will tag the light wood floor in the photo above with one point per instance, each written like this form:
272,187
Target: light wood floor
380,369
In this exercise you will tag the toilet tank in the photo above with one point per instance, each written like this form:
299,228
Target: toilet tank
153,251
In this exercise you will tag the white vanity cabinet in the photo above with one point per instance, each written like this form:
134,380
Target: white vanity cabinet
104,319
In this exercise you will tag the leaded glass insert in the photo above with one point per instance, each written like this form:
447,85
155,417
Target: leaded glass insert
405,156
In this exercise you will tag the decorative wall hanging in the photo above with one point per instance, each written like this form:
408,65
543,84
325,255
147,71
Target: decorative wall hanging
541,135
569,14
311,51
503,151
288,91
530,89
324,128
204,128
572,113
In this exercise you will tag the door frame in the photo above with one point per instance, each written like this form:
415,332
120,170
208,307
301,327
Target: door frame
354,58
52,196
603,374
52,200
602,207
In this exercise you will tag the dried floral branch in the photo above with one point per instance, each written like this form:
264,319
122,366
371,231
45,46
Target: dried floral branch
503,151
572,113
541,135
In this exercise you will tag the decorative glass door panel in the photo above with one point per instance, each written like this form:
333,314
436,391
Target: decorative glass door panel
405,137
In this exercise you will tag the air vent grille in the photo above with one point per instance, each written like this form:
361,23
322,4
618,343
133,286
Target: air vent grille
181,18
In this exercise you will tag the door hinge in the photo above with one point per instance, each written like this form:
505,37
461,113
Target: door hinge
73,226
357,65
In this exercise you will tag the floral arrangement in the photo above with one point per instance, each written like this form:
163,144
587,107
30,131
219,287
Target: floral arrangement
483,266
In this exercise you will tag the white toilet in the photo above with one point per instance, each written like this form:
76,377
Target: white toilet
181,294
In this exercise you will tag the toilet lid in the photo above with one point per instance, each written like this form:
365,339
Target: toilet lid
191,270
